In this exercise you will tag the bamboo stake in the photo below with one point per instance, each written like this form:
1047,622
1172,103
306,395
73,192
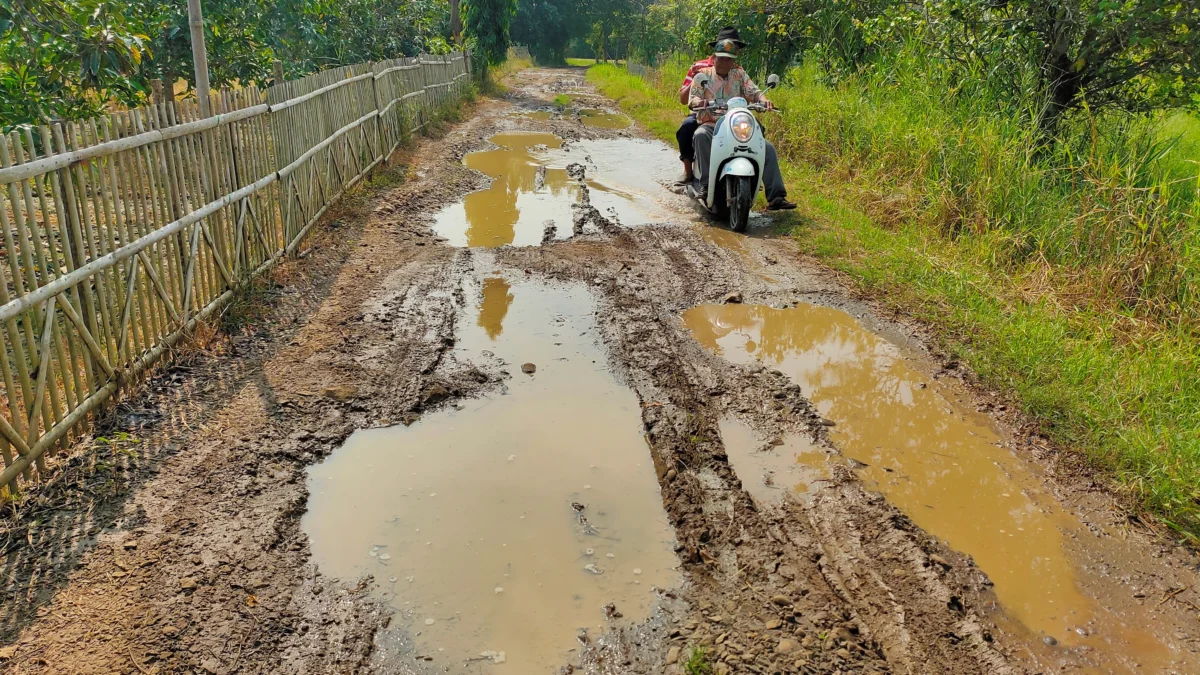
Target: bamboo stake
163,251
196,180
30,238
72,391
88,249
106,234
63,219
141,333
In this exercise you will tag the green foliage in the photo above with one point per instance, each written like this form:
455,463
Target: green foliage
1134,55
546,27
66,59
487,22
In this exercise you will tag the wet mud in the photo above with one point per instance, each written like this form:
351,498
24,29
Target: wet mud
943,466
538,185
494,535
767,539
603,120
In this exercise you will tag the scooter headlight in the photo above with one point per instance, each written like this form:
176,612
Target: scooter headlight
742,126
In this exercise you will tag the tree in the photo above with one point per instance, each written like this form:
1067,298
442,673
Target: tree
487,21
1130,54
65,59
547,27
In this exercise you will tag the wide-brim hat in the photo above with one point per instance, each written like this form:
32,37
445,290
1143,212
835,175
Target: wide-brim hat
727,43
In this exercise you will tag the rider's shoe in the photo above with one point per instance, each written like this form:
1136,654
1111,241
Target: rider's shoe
781,204
684,180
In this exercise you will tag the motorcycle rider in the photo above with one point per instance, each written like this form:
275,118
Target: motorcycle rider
720,82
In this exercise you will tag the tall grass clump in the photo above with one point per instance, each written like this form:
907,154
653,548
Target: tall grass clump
1063,268
1104,217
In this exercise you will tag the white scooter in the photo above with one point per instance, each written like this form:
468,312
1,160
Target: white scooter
739,151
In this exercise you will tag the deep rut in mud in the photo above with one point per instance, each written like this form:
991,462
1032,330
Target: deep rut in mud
525,412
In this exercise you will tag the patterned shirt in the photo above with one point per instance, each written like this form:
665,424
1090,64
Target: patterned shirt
721,89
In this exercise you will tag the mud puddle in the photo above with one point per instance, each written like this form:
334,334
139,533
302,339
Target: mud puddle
603,120
942,465
532,191
771,468
499,530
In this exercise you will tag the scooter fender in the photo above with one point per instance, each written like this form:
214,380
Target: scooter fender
738,166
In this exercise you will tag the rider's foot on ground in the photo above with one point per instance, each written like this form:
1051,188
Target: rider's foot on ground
684,180
781,204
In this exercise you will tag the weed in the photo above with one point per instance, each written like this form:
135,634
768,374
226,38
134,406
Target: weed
562,101
697,663
248,306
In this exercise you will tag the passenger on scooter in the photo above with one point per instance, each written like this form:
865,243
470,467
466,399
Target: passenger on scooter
720,82
688,128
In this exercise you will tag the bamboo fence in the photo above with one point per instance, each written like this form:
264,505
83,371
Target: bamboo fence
122,232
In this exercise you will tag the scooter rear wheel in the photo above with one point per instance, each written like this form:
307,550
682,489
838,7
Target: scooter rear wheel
741,191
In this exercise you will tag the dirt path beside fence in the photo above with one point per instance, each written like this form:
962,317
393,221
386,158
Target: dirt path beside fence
186,553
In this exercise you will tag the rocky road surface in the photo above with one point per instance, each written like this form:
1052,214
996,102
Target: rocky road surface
183,552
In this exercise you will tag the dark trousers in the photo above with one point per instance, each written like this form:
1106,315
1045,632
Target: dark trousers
684,136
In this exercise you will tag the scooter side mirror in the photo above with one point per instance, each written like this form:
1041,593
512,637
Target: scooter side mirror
772,81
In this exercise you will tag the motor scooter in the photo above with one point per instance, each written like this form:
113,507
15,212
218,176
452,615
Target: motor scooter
739,151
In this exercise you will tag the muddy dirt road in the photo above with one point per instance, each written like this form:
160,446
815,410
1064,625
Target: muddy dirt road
526,412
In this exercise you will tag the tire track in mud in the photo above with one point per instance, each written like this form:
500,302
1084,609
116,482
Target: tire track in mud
207,570
806,567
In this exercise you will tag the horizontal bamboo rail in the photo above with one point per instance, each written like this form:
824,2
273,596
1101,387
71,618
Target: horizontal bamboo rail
121,233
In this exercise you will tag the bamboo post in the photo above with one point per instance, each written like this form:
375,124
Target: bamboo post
199,56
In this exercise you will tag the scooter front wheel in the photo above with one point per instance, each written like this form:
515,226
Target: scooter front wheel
741,198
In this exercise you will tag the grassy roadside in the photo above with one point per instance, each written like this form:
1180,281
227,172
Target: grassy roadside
1117,385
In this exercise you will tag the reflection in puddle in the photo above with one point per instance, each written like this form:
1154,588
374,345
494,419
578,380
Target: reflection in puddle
508,525
603,120
940,465
768,469
530,189
493,306
540,115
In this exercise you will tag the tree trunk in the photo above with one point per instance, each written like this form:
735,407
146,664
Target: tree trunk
455,22
1061,80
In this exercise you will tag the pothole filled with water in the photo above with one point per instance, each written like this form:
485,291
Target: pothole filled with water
532,191
603,120
942,465
497,531
774,467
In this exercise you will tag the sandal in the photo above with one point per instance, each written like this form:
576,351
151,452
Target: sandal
781,204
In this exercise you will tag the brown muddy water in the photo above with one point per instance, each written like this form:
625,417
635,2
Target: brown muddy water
531,189
498,530
604,120
941,464
771,468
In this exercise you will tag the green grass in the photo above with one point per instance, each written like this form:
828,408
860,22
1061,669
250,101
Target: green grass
562,101
1066,279
493,83
697,663
581,62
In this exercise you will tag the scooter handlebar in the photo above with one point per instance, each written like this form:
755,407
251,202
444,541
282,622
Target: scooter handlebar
721,110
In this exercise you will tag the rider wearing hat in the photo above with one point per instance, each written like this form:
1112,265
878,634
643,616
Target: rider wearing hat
720,82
